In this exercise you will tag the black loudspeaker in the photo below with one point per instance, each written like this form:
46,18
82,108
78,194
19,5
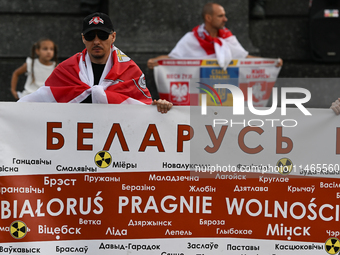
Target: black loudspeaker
324,22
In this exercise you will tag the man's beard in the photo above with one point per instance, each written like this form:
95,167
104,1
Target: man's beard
98,56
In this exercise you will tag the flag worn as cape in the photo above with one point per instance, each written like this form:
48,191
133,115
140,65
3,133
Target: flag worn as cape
122,82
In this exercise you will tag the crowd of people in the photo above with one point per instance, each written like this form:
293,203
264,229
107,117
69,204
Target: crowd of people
101,73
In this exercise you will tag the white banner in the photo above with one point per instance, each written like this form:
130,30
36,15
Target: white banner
97,179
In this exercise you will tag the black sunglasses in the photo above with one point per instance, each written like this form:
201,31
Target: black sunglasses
92,34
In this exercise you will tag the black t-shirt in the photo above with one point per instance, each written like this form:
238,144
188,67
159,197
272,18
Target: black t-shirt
97,73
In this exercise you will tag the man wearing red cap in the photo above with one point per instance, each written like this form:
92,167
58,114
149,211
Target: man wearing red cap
101,73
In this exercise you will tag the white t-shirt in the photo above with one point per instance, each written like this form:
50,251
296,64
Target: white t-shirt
41,73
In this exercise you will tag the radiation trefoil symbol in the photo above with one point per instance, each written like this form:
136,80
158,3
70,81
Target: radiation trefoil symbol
18,229
284,166
103,159
332,245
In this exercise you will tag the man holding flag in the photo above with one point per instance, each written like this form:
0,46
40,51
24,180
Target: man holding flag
209,40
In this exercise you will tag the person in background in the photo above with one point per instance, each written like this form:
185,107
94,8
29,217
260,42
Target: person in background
100,74
209,40
38,67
